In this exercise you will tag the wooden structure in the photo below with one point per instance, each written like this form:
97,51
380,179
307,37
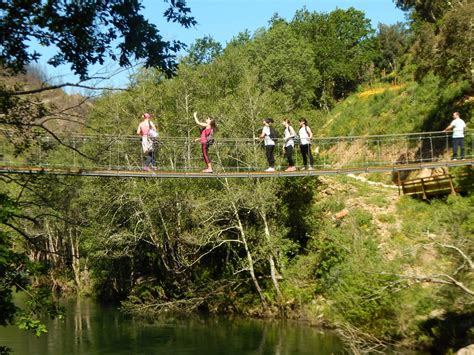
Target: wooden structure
432,186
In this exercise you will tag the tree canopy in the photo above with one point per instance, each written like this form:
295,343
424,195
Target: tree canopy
86,32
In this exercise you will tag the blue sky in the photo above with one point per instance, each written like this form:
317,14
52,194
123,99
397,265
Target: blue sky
224,19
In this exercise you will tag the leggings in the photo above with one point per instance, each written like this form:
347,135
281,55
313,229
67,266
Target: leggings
306,151
205,155
289,155
150,158
269,153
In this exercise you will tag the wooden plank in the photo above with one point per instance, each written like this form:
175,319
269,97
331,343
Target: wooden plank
429,186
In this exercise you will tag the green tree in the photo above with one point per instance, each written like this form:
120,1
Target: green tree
393,43
16,271
204,50
443,38
86,32
335,37
286,65
428,10
455,59
9,261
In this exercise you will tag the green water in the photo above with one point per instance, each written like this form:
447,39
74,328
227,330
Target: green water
90,328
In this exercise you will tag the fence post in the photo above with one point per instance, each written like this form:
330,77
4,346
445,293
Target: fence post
379,151
431,148
420,138
423,188
447,143
399,181
406,150
74,152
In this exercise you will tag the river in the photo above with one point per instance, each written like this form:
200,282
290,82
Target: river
92,328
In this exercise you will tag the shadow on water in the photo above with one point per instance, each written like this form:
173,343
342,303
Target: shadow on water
91,328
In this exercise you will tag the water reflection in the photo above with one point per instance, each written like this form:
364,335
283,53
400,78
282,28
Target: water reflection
90,328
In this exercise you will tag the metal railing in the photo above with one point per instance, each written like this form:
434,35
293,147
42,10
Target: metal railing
109,152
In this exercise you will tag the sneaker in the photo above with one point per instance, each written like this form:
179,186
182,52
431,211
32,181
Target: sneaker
207,171
454,159
146,168
311,168
303,168
270,170
291,168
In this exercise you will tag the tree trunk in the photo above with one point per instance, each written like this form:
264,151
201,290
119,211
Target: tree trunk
247,250
249,257
273,270
74,245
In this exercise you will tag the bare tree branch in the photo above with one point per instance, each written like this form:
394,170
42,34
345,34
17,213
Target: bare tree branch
437,278
210,251
60,86
464,256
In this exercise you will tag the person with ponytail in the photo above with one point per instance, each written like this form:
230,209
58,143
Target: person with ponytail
306,135
206,139
289,136
269,140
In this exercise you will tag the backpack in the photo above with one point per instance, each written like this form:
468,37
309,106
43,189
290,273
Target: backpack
297,138
273,134
152,133
147,145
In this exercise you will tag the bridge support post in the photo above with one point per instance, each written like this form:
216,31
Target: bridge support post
399,182
423,189
453,190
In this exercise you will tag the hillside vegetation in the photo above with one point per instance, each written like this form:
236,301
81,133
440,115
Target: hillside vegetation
390,109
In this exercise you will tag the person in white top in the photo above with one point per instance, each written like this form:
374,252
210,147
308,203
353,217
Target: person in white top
305,144
458,126
266,135
289,136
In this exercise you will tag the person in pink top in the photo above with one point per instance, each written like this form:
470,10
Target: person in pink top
147,130
206,139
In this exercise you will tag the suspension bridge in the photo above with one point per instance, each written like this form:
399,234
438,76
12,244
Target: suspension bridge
180,157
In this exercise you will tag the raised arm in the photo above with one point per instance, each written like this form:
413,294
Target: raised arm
202,124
